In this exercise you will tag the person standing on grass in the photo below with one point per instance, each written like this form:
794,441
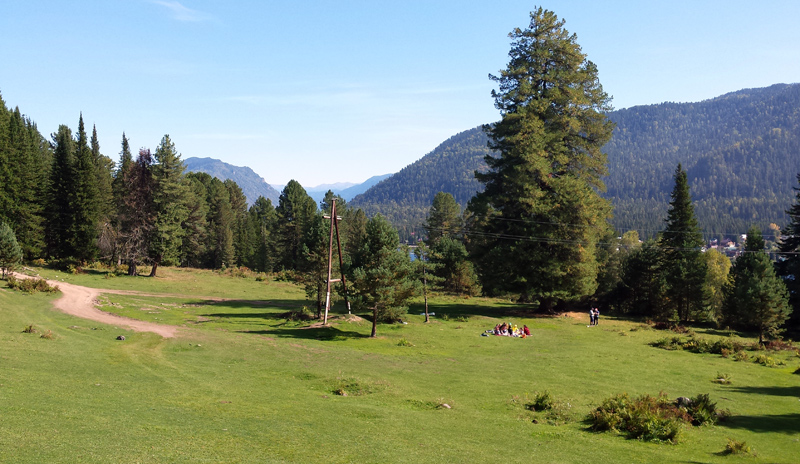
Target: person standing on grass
591,316
596,315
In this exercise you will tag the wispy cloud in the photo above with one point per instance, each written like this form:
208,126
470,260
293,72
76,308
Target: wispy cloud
182,13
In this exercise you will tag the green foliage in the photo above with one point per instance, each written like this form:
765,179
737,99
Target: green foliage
646,418
755,297
381,274
444,218
31,285
789,264
540,217
542,401
683,266
736,447
10,251
722,379
295,210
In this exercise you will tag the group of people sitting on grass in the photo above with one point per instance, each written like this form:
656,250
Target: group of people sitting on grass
507,330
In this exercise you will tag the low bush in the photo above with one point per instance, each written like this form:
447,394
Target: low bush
741,356
768,361
646,417
737,447
31,285
653,418
404,342
722,379
49,335
541,402
30,329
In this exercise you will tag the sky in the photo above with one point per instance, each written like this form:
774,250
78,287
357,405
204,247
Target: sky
339,91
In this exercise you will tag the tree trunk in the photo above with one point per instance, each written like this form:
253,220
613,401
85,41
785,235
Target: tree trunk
425,291
374,322
153,270
132,271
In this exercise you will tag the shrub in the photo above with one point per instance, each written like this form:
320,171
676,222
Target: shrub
779,345
725,352
741,356
31,285
541,402
49,335
39,262
737,447
768,361
646,417
445,317
722,379
261,277
462,319
702,410
404,342
30,329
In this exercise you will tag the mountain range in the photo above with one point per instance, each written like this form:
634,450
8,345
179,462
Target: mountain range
741,151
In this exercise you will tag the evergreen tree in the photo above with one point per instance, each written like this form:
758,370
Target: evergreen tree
313,269
220,248
85,199
295,211
22,179
263,220
684,268
454,271
755,297
10,251
104,170
382,275
444,218
789,263
119,191
169,206
195,227
59,214
642,286
242,236
540,216
135,212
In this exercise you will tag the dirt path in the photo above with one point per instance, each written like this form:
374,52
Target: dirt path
80,301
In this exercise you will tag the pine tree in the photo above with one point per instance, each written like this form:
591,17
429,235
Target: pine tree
263,220
85,198
789,263
295,212
135,213
382,275
684,268
444,218
10,251
59,215
540,216
755,297
169,206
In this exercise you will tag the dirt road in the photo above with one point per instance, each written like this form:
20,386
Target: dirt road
80,301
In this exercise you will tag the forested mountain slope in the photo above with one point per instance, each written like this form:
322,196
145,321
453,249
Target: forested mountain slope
252,184
405,197
741,151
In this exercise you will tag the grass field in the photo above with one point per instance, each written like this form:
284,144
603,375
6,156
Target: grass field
242,384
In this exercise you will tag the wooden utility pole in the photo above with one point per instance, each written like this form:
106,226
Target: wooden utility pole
334,226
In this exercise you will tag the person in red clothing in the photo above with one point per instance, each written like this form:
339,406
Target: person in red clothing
526,330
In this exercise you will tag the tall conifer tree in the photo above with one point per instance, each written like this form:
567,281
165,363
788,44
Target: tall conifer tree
169,205
684,268
59,215
541,215
85,198
755,297
789,263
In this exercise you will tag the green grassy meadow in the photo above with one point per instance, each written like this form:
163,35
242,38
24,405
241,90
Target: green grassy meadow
240,383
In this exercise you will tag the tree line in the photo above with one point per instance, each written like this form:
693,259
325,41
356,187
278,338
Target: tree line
539,230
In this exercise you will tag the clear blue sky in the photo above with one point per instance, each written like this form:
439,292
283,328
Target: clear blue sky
335,91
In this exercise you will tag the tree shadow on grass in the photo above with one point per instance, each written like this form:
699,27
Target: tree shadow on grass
329,333
769,390
781,423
